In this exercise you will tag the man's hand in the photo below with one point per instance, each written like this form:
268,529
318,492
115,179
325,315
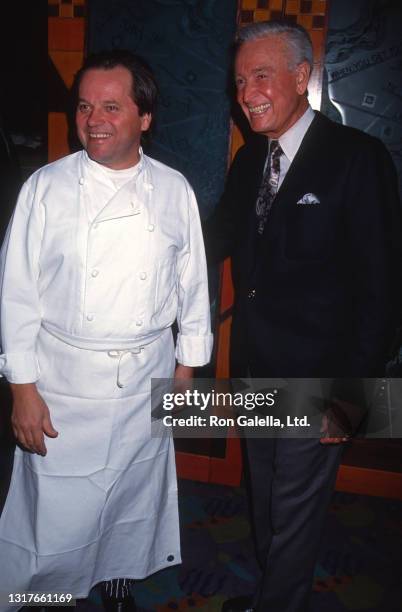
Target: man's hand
30,418
183,371
327,430
183,376
341,420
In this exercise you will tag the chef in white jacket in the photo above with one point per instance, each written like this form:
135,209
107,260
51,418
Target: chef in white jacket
104,252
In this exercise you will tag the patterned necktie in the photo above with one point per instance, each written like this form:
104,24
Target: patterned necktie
269,185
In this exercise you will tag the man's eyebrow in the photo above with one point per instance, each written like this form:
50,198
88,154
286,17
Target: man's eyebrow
256,70
113,101
261,68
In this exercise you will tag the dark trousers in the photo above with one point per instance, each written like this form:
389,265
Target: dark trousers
290,482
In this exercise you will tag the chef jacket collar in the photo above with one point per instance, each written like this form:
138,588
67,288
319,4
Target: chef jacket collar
131,199
114,178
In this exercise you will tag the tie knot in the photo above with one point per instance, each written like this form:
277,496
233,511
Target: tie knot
275,150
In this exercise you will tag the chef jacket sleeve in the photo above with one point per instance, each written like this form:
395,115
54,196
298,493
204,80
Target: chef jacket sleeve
194,340
20,317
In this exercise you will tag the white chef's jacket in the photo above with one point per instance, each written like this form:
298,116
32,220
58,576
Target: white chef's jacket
89,293
112,283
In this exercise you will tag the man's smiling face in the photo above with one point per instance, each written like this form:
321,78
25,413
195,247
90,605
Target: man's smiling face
270,90
108,122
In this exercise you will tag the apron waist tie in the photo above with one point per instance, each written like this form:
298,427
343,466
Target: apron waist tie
119,355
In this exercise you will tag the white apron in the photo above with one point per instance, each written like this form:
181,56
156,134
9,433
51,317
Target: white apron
103,502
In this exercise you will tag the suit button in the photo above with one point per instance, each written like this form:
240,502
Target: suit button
251,294
170,558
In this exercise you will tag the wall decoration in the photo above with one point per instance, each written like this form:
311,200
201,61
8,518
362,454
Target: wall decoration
364,70
187,43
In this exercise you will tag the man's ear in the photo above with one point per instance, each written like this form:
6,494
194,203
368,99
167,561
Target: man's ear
146,120
303,71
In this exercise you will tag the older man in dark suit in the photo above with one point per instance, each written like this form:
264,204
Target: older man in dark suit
309,216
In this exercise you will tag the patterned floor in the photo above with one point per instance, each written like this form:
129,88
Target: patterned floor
359,565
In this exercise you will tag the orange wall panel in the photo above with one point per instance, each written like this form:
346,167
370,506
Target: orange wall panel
67,64
66,34
66,42
58,136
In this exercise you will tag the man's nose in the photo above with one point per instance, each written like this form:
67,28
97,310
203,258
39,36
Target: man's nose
95,117
247,92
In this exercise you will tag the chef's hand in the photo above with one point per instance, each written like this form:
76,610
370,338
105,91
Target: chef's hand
30,418
183,378
183,371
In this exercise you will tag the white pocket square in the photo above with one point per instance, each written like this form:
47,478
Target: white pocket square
309,198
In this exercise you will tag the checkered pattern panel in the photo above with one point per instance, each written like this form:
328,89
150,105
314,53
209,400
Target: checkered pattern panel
308,13
66,8
261,10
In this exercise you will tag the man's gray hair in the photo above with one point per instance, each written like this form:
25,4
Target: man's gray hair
297,38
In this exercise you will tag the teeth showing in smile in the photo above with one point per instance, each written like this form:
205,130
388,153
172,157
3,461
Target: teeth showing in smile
257,110
100,135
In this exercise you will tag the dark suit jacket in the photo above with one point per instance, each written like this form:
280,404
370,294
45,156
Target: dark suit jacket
325,275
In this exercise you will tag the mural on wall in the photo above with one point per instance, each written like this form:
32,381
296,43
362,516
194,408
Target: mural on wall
364,70
187,43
